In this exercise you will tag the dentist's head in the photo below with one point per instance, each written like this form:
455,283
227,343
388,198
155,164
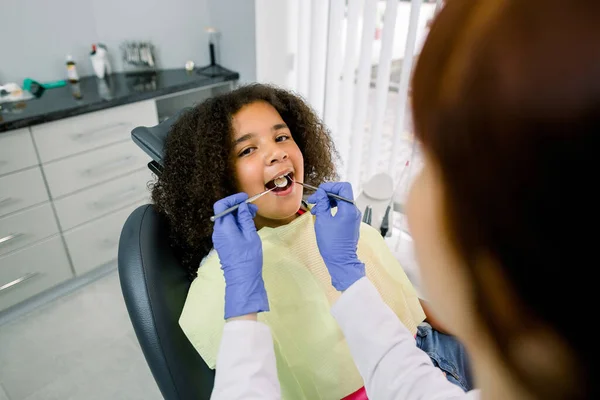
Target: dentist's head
506,99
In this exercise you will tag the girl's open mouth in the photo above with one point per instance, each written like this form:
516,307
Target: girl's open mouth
283,185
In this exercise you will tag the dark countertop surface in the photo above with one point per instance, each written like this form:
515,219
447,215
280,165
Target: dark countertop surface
96,94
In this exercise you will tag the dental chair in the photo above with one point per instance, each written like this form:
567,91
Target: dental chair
155,287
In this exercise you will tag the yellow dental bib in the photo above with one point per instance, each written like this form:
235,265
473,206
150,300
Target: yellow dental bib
313,359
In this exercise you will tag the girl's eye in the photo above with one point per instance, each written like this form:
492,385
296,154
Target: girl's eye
246,152
282,138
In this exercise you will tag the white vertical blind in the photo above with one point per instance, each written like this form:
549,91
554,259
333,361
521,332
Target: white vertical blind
361,93
405,75
438,6
334,64
318,55
292,43
304,40
347,89
382,86
330,57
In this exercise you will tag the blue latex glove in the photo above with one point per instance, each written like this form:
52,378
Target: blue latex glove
337,236
240,251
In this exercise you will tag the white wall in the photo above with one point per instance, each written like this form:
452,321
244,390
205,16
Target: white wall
235,20
276,41
38,34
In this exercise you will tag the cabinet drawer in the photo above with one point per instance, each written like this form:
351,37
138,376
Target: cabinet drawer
26,227
32,270
84,132
97,242
16,151
103,199
78,172
22,189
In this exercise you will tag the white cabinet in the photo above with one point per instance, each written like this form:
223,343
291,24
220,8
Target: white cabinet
16,151
103,199
97,242
22,189
23,228
89,174
90,131
85,170
30,271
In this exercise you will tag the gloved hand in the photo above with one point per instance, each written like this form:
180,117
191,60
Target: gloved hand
337,236
240,251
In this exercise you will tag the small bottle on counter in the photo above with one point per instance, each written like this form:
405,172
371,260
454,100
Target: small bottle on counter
72,70
76,91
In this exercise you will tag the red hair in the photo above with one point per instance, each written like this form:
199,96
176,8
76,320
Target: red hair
506,102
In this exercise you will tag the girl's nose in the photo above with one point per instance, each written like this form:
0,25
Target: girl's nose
276,156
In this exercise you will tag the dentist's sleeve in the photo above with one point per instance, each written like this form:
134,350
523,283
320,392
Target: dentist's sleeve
246,367
385,352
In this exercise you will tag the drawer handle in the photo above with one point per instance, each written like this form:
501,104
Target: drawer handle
17,281
108,166
89,134
109,243
5,200
114,198
10,237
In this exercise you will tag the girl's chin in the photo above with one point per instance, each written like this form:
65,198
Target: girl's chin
280,212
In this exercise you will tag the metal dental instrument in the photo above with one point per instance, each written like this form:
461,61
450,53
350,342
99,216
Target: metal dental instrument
335,196
249,200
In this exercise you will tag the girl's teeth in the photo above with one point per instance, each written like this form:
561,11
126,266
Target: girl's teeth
281,181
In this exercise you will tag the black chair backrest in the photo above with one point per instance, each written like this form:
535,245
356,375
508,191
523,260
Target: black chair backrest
152,139
155,287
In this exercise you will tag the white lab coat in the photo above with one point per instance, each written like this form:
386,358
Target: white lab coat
383,349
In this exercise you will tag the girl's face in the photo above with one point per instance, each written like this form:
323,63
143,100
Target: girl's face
264,150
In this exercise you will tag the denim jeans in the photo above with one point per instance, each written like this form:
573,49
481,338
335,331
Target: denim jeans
447,354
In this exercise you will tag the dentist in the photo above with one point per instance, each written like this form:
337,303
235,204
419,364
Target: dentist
506,106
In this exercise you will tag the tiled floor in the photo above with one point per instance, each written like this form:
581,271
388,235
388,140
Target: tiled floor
81,346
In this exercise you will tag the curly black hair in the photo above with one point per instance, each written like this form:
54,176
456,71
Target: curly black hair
198,164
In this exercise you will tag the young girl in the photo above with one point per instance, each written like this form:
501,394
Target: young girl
241,142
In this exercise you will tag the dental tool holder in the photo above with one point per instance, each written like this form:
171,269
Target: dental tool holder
376,203
138,58
213,69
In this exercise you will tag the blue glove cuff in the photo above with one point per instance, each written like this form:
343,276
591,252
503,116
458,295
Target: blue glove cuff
347,275
245,299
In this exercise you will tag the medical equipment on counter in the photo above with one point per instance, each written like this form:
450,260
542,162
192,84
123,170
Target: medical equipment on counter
138,58
367,215
377,194
12,92
100,62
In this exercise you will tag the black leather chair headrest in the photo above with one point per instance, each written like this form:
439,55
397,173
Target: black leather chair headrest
152,139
